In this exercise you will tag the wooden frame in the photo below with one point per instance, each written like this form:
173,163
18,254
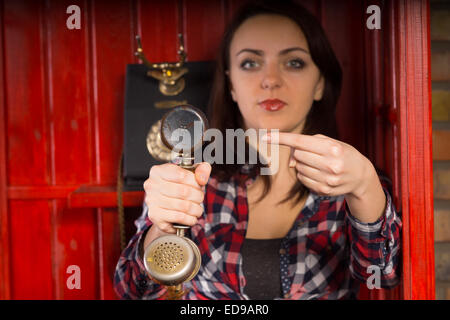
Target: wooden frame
414,104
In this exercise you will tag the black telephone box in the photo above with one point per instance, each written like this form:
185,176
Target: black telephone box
145,105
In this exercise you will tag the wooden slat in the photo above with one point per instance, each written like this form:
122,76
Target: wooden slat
109,245
391,143
392,100
111,26
69,91
39,192
374,60
103,197
73,144
202,39
31,237
26,128
415,113
158,26
27,146
344,28
75,243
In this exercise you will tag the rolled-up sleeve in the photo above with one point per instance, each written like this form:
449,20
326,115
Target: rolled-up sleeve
375,247
130,279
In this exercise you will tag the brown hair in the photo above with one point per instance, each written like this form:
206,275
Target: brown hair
224,112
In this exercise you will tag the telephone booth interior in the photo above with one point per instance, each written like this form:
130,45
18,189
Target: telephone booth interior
61,127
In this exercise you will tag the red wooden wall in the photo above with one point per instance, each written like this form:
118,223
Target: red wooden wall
61,106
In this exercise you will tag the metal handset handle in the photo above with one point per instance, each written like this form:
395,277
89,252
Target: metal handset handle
185,162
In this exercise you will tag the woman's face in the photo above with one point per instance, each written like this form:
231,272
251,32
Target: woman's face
270,60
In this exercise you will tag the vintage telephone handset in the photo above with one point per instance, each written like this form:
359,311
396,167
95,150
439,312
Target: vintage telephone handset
173,259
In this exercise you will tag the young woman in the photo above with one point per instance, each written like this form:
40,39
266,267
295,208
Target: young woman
313,230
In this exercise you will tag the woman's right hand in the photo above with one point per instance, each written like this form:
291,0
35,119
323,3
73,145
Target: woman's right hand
174,195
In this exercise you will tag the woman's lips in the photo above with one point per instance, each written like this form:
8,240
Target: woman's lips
272,104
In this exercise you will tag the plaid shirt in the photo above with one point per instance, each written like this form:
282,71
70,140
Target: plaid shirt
322,256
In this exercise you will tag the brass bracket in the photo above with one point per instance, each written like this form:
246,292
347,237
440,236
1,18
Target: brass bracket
169,75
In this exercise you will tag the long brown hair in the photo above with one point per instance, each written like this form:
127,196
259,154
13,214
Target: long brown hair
224,112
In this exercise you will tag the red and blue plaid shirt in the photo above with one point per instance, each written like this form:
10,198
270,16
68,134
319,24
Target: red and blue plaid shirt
325,255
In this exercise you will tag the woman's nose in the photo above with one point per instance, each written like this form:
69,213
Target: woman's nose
271,79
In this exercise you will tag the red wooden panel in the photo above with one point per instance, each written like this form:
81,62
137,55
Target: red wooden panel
392,128
29,222
158,25
31,239
113,27
69,70
24,76
344,27
392,136
374,59
75,243
109,250
204,22
70,79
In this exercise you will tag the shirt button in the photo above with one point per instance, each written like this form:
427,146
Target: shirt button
282,251
142,283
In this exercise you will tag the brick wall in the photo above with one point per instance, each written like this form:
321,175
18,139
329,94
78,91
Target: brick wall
440,76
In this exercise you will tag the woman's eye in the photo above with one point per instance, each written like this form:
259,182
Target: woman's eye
247,64
296,63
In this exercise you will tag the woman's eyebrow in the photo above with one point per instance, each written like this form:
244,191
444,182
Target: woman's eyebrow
292,49
282,52
257,52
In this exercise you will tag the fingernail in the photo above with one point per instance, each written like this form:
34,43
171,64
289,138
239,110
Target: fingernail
292,163
265,138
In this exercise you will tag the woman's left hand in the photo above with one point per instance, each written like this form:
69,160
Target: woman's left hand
325,165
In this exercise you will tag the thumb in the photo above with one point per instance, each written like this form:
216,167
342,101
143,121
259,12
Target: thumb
202,173
292,161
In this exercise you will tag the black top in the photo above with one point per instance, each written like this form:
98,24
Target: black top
261,266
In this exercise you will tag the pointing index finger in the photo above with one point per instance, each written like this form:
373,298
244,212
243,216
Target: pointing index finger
304,142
